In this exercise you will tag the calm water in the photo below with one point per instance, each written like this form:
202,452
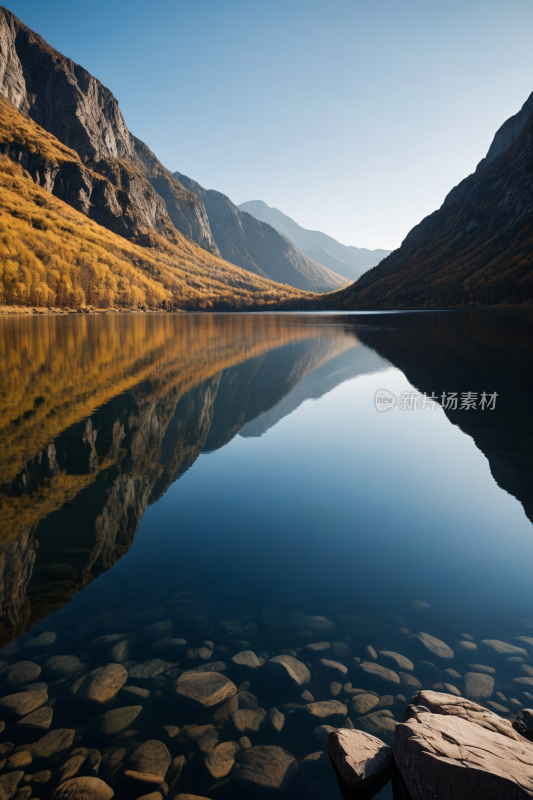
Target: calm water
230,477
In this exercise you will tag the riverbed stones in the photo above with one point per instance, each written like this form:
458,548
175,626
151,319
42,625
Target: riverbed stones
44,639
503,648
317,647
276,719
101,685
22,703
318,624
330,712
135,694
289,669
400,661
333,669
406,679
465,645
62,666
363,703
112,722
358,756
433,751
377,672
436,646
85,788
22,672
219,762
147,766
53,743
37,721
371,653
203,690
148,669
265,770
246,660
120,652
247,721
478,685
379,723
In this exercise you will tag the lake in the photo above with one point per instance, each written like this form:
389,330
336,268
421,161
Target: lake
329,511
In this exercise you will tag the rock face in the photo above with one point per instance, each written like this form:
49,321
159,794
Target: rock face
358,756
350,262
474,249
126,189
244,240
433,751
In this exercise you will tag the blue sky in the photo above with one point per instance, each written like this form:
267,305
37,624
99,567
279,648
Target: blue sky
354,118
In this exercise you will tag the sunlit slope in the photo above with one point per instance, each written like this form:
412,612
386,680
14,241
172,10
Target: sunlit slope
51,254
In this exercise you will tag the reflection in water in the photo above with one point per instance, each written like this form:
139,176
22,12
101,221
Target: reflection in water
74,508
310,529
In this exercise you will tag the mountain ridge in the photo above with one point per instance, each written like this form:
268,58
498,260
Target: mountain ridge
477,249
344,259
257,246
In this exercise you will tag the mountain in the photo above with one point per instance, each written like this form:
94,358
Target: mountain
54,255
125,188
258,247
477,249
348,261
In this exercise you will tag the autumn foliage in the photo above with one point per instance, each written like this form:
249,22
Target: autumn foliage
52,255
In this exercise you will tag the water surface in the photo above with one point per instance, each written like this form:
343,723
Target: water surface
230,475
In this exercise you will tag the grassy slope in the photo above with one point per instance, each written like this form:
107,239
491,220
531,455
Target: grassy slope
51,254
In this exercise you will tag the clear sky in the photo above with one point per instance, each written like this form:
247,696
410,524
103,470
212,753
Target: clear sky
354,118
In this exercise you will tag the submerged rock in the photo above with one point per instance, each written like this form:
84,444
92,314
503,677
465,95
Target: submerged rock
290,669
203,690
504,648
265,769
358,757
363,703
83,789
436,646
101,685
378,672
325,711
219,762
22,703
401,661
478,685
112,722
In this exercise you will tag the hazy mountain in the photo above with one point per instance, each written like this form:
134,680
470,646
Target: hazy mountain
348,261
477,249
258,247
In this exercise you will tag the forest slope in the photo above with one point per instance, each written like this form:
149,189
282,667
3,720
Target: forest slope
51,254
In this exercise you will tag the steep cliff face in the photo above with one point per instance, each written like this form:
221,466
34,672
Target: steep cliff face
477,249
66,100
350,262
257,246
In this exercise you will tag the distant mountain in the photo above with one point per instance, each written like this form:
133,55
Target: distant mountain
257,246
477,249
341,258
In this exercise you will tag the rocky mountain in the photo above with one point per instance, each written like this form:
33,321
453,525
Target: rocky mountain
348,261
120,183
258,247
477,249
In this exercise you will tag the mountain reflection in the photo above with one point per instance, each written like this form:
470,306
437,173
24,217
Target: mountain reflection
99,416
